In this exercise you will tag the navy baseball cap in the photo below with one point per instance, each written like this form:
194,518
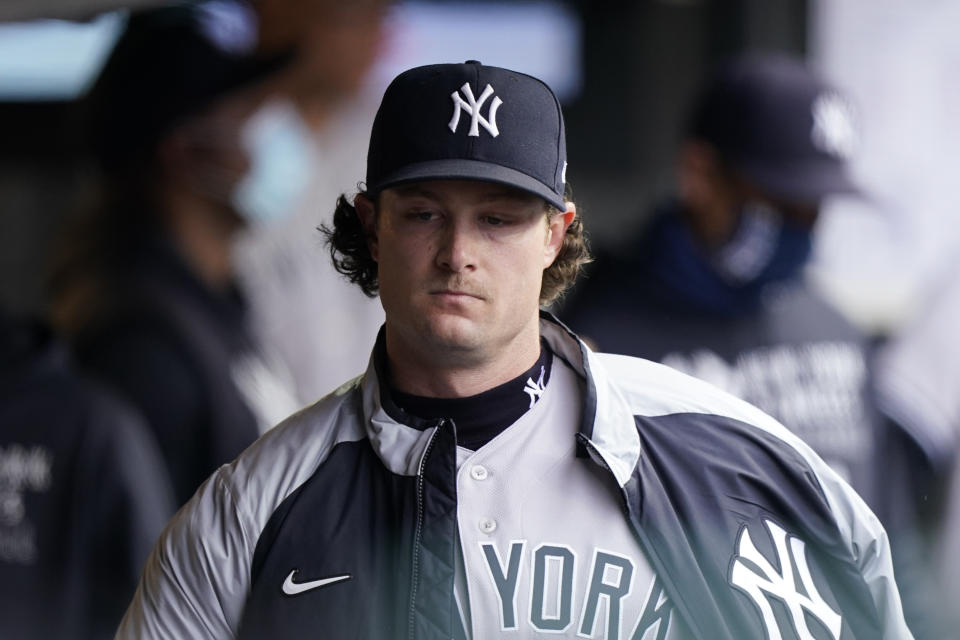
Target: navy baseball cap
773,120
170,63
469,121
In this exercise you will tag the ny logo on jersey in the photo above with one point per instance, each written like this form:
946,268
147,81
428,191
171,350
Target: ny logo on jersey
752,573
472,106
534,389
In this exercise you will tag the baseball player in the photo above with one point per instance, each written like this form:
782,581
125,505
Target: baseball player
490,475
713,285
143,284
83,492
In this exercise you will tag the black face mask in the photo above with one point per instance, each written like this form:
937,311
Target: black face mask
762,250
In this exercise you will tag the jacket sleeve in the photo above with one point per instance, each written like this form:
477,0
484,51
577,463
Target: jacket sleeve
196,579
753,468
870,547
860,531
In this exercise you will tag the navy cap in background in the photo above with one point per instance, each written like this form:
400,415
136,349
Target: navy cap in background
774,121
469,121
170,63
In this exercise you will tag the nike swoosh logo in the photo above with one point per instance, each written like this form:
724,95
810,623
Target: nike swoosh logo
292,588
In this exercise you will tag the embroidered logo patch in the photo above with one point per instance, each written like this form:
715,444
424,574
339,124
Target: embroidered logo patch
534,389
833,126
473,106
762,580
292,588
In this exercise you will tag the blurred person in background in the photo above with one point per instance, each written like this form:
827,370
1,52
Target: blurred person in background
83,493
317,324
947,553
918,389
144,285
713,285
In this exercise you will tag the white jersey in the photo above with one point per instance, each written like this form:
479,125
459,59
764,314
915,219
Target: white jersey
541,556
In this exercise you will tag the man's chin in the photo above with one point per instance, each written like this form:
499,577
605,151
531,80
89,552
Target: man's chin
454,333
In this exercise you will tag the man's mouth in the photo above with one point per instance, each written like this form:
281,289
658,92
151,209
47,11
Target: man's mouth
456,288
454,293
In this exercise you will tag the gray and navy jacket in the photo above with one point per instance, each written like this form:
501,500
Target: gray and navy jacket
345,487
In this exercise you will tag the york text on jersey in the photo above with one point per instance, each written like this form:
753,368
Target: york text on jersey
551,593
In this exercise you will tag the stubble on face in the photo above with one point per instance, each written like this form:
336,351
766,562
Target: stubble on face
463,300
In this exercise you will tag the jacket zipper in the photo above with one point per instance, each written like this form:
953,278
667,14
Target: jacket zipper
418,532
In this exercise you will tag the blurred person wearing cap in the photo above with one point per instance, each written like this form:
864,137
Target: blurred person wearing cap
83,493
917,374
714,285
183,130
489,475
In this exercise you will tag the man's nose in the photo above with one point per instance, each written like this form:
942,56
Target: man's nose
456,251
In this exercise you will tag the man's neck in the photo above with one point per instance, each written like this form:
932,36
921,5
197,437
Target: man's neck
459,375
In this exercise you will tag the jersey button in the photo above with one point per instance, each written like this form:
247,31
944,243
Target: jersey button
488,525
478,472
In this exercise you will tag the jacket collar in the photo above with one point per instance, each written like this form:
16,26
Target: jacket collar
607,423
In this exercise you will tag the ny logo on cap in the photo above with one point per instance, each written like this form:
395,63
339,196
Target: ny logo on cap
833,131
472,106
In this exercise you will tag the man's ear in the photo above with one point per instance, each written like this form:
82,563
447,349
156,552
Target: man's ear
557,230
367,213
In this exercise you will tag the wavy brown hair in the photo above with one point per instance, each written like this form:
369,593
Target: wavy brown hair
348,248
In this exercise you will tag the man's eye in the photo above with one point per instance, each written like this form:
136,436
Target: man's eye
424,216
494,221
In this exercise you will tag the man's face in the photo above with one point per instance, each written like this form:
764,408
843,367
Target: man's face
715,196
800,215
206,156
460,267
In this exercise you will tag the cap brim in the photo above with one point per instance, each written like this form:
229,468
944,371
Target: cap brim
460,169
811,182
